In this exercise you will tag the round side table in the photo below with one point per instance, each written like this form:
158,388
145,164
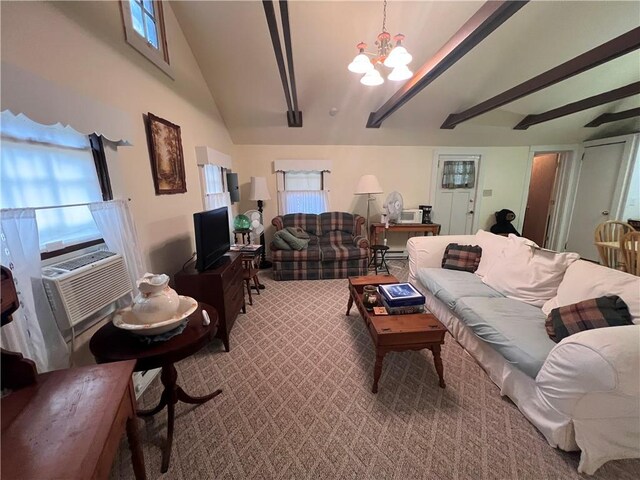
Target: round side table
110,344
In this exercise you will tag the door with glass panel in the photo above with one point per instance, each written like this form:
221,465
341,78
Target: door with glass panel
454,207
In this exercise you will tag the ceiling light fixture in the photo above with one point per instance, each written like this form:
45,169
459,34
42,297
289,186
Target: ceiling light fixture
395,57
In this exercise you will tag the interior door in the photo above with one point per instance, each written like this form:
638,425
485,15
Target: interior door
594,197
454,207
541,187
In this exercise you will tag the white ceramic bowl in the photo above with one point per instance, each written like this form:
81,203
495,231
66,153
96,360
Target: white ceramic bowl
126,319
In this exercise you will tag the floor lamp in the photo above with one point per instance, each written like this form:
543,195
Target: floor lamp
368,185
259,193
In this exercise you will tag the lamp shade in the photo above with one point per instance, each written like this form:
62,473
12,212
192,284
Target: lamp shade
360,64
372,78
400,72
398,57
259,190
368,184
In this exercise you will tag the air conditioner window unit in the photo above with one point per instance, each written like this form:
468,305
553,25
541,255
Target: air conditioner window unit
79,287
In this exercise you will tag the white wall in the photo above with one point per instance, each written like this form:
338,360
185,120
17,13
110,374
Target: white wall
504,172
80,46
405,169
632,205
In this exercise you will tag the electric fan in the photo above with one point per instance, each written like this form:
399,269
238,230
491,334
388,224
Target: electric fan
393,206
256,226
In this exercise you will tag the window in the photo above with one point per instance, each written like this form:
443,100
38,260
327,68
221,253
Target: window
213,167
458,174
215,191
213,179
303,185
52,166
144,30
303,193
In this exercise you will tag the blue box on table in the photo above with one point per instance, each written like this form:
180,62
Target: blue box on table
401,295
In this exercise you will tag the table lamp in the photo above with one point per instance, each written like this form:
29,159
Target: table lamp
368,185
260,192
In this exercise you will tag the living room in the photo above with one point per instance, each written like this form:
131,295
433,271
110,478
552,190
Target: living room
70,63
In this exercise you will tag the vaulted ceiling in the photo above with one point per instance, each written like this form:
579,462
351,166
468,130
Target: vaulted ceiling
231,43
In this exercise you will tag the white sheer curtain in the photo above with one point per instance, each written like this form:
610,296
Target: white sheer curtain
119,233
49,165
34,331
217,200
213,179
309,201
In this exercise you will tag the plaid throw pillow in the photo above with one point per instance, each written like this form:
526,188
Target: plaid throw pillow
610,311
462,257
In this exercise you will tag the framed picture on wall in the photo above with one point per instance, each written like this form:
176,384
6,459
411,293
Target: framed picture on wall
167,161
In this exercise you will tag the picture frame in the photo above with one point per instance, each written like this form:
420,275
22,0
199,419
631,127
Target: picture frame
165,151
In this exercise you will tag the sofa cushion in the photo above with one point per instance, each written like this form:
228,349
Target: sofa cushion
342,221
451,285
336,237
334,251
584,280
461,257
492,246
278,243
311,253
294,242
298,232
309,222
514,329
600,312
528,274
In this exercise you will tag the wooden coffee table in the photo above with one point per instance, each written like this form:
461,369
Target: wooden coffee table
397,333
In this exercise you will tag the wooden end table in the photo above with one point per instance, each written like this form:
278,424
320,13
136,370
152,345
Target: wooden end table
397,332
68,424
110,344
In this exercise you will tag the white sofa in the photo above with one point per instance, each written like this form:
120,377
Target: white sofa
582,393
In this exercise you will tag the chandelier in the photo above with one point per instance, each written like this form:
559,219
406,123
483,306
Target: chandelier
391,56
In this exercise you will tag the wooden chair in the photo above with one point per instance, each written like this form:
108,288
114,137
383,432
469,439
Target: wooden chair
607,240
629,245
249,273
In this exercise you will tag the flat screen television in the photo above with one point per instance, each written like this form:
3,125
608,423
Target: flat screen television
212,237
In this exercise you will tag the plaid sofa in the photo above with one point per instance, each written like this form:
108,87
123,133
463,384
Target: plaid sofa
336,249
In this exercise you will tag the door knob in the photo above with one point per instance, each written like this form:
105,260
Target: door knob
605,212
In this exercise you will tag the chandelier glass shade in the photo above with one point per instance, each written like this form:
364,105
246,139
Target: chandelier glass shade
391,56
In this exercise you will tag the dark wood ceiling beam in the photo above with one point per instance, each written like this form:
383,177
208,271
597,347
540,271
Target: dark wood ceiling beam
286,32
294,116
580,105
489,17
613,117
606,52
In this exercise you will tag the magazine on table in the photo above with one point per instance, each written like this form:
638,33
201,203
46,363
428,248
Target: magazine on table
242,247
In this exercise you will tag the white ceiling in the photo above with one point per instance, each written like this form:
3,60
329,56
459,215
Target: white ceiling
231,43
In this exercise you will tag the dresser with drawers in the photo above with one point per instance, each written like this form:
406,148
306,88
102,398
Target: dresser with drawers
221,287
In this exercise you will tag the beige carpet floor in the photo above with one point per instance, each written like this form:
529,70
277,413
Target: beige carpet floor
297,404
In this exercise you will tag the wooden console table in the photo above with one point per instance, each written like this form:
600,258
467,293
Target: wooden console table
69,423
424,228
